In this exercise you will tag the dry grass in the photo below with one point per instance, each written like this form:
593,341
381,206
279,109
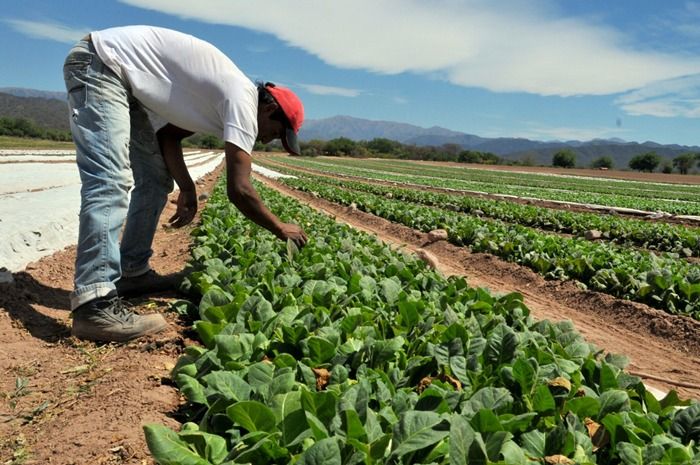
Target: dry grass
10,142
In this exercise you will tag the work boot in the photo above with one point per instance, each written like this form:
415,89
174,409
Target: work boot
148,283
107,319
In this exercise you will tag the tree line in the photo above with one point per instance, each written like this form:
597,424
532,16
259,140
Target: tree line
22,127
646,162
381,147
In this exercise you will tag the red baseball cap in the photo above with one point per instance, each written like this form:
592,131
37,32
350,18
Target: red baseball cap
294,111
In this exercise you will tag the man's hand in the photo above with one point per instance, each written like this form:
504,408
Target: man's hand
186,209
293,232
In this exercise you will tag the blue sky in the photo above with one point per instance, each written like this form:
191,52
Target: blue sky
540,69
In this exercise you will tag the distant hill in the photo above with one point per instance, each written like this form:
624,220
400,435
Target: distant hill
22,92
538,152
364,129
49,113
48,109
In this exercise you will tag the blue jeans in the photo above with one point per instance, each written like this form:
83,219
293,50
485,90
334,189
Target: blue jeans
116,148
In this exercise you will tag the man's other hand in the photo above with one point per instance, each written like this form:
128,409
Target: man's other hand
186,209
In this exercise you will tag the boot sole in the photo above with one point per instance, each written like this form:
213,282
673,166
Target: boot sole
117,338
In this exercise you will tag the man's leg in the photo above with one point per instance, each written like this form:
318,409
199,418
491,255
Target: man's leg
100,123
99,120
152,184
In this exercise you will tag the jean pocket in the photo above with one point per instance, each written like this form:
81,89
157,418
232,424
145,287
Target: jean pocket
77,96
75,69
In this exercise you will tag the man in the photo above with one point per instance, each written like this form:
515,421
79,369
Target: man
112,76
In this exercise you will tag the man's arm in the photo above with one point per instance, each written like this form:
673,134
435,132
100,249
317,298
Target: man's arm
170,142
244,196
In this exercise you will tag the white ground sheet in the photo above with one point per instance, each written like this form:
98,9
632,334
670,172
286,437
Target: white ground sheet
40,201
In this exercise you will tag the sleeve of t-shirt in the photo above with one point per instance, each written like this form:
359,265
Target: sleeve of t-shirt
240,124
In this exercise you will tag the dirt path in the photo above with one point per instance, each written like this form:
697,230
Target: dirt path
657,343
63,401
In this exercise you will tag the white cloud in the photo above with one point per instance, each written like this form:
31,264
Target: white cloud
679,97
46,30
504,46
330,90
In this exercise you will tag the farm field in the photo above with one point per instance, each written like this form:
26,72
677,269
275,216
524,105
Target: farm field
637,197
86,402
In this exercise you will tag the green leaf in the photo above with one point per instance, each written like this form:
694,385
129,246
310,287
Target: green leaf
321,404
613,401
292,250
390,290
417,430
191,389
525,374
630,454
485,421
686,424
290,417
168,449
253,416
543,401
583,406
500,346
461,438
324,452
608,378
672,400
497,399
513,454
378,448
226,384
408,309
534,443
352,426
210,446
320,350
260,376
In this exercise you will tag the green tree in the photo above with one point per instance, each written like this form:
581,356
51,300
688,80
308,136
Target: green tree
469,156
645,162
667,167
340,146
382,145
312,148
602,162
565,158
684,162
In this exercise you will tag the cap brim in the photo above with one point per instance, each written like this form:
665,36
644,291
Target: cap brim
290,141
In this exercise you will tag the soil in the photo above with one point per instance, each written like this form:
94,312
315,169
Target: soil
64,401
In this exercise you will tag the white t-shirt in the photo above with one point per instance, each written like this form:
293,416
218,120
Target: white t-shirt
184,80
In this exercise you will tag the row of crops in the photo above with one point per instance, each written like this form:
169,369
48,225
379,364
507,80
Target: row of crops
348,352
672,199
660,280
599,185
630,232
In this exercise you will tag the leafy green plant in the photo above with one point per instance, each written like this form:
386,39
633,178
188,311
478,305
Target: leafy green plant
352,353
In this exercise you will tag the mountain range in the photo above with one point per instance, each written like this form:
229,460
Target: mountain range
539,152
48,109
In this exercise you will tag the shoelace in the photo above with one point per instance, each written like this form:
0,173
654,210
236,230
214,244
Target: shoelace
121,308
